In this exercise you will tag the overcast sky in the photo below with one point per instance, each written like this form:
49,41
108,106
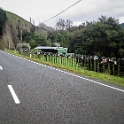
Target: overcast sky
41,10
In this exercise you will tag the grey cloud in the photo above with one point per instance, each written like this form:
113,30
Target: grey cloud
109,8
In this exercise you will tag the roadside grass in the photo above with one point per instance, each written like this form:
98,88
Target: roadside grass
81,71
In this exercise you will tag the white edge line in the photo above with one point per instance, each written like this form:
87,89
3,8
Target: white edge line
13,94
96,82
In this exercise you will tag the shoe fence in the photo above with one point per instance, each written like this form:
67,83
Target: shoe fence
101,65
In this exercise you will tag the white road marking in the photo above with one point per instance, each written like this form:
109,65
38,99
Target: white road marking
96,82
13,94
1,68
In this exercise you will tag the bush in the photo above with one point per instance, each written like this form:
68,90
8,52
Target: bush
23,47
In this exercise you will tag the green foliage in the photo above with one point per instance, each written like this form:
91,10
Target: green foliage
34,39
3,19
21,47
64,38
104,38
32,43
32,29
52,36
40,40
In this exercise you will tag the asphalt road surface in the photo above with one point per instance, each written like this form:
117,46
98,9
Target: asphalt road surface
32,93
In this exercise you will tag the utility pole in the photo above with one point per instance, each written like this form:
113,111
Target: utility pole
30,19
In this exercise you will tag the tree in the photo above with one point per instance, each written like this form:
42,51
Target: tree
68,24
52,36
32,43
64,25
104,37
3,19
14,38
60,25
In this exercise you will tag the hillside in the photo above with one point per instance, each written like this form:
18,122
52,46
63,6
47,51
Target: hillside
13,30
15,19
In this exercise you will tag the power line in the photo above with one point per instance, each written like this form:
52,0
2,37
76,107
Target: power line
63,11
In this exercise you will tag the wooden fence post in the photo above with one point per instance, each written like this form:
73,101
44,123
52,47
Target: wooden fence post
90,62
98,67
49,57
56,59
61,59
113,69
85,60
109,68
103,67
119,66
95,67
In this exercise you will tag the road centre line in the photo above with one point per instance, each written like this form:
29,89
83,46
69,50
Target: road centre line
1,68
13,94
93,81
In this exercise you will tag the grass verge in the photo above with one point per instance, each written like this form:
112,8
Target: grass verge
90,74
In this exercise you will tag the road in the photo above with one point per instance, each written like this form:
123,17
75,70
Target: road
32,93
